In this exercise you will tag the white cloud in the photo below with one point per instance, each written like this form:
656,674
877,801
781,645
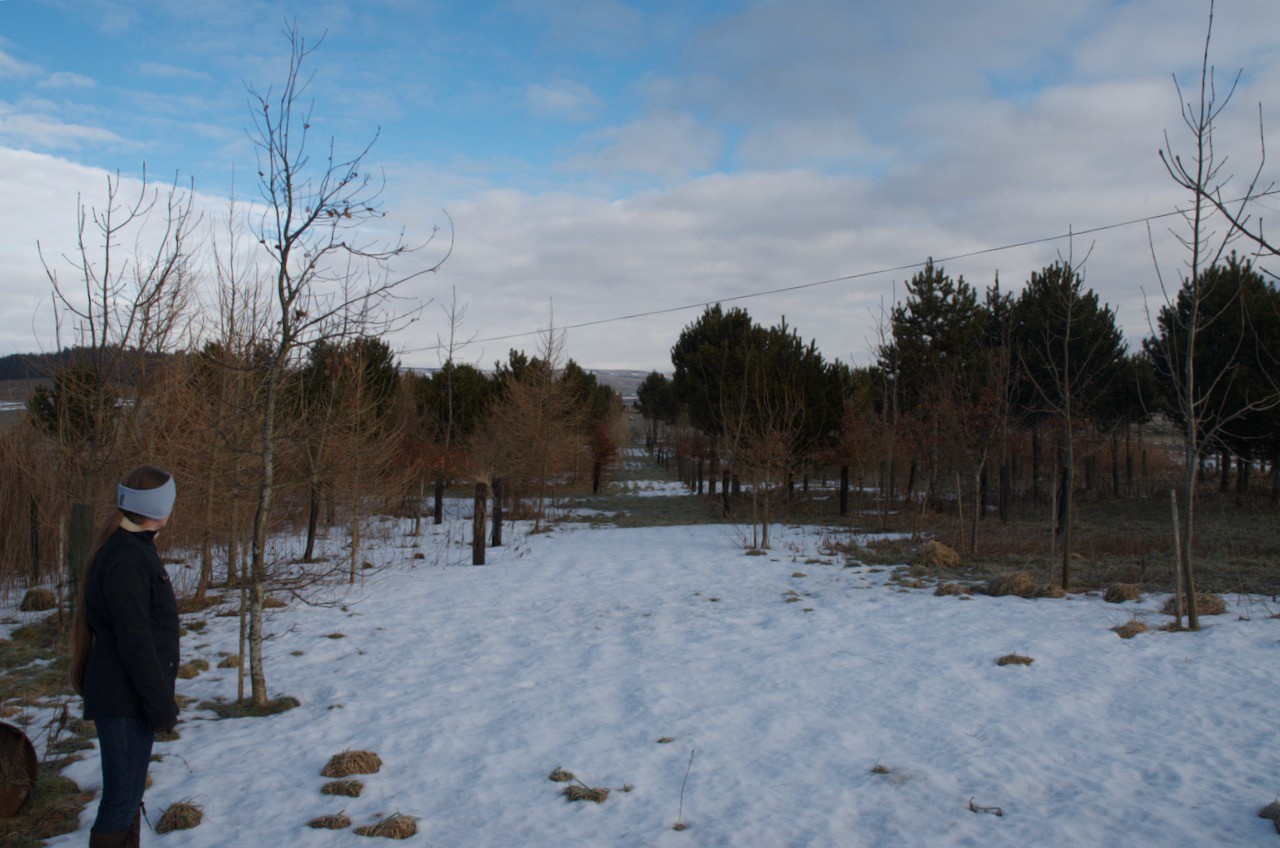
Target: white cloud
158,69
34,130
14,68
562,100
66,79
667,146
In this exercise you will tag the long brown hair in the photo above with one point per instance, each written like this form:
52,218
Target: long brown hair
142,477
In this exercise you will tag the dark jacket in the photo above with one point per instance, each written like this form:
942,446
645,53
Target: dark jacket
132,611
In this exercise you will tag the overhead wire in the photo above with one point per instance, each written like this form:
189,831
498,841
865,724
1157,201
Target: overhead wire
1070,234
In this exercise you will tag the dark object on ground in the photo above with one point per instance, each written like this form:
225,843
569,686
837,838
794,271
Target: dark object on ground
19,769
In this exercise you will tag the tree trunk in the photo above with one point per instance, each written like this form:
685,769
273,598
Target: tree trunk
1115,463
313,520
1035,461
1275,478
478,524
1006,492
844,490
496,540
437,514
724,492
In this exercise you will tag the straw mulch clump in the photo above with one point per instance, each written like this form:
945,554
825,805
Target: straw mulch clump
1014,659
559,775
1206,604
951,589
38,600
182,815
934,554
229,661
582,792
1118,593
339,821
351,762
1019,583
345,788
1130,629
395,826
1271,811
192,669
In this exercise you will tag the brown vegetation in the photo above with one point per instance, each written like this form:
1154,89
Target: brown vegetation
351,762
395,826
181,815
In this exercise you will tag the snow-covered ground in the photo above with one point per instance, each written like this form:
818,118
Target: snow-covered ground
809,704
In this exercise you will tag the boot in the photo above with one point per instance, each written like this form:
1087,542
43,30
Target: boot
135,830
118,839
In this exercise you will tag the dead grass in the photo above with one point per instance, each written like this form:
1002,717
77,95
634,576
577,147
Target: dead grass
1014,659
53,809
345,788
181,815
229,661
1206,604
337,821
582,792
559,775
394,826
1119,593
38,600
351,762
189,670
935,555
1019,583
1130,628
1271,811
951,589
247,709
34,662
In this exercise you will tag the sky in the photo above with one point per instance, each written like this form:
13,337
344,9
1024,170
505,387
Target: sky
608,167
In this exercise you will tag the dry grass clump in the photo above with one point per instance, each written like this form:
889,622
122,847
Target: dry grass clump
1271,811
246,708
192,669
1206,604
351,762
339,821
582,792
934,554
394,826
52,810
1118,593
38,600
229,661
1130,629
181,815
1019,583
272,602
559,775
951,589
345,788
1014,659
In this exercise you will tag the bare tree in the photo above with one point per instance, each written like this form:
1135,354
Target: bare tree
1187,315
123,307
329,280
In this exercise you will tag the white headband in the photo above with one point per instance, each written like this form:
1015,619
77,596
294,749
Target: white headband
153,503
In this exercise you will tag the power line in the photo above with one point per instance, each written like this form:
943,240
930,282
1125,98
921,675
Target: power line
842,279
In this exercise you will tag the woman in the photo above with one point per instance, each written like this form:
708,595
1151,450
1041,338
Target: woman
125,650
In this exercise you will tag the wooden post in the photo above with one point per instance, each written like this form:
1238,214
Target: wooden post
1177,559
844,490
496,541
79,545
477,523
724,491
438,510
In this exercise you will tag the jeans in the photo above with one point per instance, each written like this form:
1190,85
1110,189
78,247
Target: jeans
124,743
